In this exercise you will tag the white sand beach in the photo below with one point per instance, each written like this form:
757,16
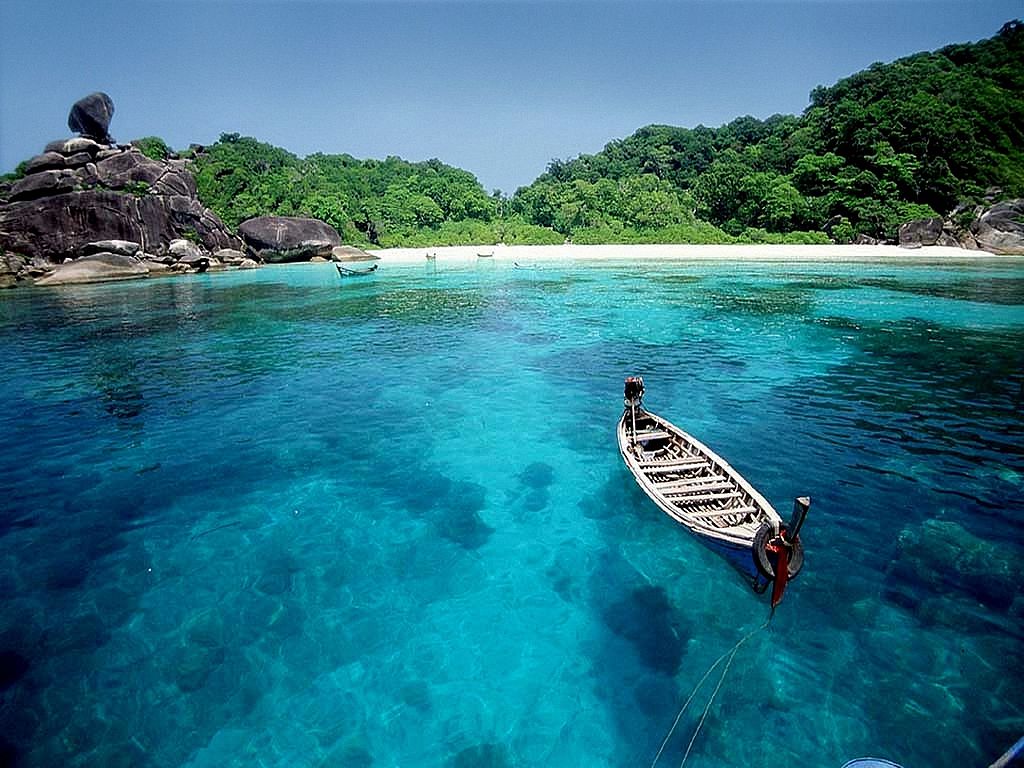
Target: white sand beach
533,254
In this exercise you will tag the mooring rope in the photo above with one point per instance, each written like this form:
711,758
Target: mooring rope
730,654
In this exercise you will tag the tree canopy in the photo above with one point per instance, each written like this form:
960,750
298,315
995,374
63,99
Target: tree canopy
894,142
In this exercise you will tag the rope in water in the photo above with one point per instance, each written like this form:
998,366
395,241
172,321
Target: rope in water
730,654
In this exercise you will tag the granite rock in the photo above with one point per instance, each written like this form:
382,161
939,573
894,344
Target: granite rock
121,247
44,162
289,238
98,267
90,116
185,251
1000,229
919,232
229,256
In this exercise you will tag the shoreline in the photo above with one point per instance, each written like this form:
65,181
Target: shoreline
842,254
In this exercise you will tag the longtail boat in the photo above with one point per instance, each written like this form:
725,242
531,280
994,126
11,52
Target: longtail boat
698,489
355,272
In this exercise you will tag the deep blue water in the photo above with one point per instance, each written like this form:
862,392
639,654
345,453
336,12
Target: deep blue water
269,519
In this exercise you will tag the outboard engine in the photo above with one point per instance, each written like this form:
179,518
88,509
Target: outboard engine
633,394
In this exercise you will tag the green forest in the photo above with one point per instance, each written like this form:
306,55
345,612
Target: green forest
899,141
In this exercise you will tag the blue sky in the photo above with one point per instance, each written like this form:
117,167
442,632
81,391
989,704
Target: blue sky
494,87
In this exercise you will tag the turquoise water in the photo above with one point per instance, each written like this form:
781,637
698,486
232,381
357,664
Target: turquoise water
270,519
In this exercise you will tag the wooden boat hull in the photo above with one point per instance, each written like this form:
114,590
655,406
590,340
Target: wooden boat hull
700,490
350,272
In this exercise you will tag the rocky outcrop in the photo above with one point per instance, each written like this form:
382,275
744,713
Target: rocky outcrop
288,238
998,228
90,116
85,195
57,226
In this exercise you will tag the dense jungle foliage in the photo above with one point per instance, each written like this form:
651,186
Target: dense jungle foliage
892,143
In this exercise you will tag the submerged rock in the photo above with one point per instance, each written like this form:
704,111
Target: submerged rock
645,618
13,667
482,756
945,558
537,475
289,238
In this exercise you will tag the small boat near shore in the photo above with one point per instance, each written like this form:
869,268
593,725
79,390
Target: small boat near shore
482,255
355,271
698,489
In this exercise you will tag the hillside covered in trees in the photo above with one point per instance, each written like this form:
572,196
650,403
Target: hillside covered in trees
892,143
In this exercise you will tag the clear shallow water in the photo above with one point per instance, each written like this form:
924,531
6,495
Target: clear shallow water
270,519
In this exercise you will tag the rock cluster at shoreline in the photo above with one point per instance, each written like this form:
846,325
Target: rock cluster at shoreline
82,192
997,229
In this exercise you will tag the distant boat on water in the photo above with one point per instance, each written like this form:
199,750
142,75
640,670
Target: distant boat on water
355,272
484,255
698,489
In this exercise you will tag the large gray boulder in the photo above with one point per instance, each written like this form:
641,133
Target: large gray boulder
229,256
97,268
90,116
289,238
920,232
1000,229
186,251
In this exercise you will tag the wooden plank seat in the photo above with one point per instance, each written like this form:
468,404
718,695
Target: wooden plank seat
708,488
652,434
666,485
688,500
689,461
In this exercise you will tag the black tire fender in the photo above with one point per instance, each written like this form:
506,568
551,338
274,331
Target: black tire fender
763,560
